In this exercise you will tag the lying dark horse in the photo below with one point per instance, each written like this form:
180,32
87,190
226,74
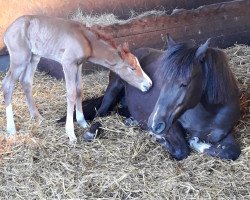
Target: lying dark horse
194,93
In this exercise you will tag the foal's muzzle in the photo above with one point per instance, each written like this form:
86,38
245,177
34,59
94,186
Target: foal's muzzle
146,87
146,84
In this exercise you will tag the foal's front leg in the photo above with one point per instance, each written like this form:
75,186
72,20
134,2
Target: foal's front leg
79,113
70,72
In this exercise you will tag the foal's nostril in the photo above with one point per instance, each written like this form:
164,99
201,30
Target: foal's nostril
158,128
144,88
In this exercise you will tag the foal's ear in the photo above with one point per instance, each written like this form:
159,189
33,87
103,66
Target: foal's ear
201,51
125,47
170,40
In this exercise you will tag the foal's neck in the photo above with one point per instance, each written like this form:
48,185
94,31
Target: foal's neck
103,52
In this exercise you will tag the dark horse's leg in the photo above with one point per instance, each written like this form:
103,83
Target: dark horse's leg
227,148
112,95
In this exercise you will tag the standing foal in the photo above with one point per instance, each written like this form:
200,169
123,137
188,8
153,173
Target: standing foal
70,43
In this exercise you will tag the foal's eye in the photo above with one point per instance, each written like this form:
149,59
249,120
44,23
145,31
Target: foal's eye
183,85
133,69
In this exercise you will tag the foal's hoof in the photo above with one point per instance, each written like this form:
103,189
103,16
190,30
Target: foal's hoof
93,132
72,142
11,131
11,138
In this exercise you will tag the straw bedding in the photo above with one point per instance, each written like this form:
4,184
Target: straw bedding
123,163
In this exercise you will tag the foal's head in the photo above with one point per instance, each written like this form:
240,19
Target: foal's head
130,69
181,77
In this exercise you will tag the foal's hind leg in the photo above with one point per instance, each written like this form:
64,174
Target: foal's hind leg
26,80
18,62
79,113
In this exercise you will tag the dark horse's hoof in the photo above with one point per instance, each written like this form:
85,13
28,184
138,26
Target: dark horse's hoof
93,132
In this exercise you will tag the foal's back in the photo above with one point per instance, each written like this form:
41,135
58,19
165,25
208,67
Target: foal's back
47,37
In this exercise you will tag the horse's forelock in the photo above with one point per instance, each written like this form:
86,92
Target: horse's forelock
178,61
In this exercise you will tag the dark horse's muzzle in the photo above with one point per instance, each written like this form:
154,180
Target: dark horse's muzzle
174,142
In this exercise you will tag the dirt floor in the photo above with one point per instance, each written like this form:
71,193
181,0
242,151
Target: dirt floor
124,163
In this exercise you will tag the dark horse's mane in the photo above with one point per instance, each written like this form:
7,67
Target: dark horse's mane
179,61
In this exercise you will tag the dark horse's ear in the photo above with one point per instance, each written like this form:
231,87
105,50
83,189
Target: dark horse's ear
170,40
201,51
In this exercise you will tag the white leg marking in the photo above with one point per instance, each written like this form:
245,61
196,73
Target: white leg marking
80,119
198,146
11,129
70,130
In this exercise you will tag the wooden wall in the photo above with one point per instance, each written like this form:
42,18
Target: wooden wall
12,9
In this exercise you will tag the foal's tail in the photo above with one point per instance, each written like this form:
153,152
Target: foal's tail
89,107
4,51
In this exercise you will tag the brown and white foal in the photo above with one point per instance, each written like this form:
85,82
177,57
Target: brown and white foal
29,38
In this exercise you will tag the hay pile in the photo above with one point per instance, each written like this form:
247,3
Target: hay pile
109,18
124,163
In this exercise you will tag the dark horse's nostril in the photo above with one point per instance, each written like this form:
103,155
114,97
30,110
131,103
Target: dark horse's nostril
158,128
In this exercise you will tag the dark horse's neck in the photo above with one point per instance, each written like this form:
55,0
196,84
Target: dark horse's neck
219,86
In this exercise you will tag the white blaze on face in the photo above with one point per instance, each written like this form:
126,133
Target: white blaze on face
11,129
154,116
198,146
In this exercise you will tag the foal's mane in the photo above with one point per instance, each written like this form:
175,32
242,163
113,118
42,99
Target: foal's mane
179,61
103,36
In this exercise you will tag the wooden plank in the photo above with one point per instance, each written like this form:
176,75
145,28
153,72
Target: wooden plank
217,17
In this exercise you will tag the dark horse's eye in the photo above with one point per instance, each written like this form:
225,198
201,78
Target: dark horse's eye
183,85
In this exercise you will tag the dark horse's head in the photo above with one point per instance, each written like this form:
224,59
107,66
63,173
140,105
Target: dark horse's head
182,83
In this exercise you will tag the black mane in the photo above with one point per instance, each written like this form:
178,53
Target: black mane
179,62
220,82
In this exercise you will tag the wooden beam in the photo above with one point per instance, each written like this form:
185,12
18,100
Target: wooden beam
223,20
